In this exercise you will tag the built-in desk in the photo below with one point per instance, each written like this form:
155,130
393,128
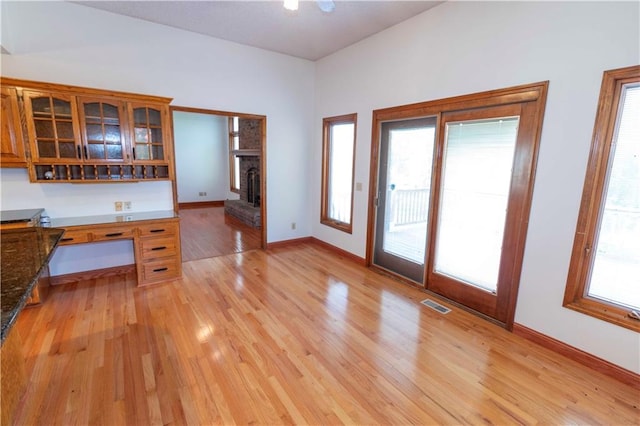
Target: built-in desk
155,236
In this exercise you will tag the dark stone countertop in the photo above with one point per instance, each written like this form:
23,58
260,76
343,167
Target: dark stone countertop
24,254
12,216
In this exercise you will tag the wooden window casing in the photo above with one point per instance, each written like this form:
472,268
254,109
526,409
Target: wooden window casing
325,217
576,295
233,137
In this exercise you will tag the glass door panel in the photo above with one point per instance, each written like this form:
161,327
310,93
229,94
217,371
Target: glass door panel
404,193
476,178
51,126
103,130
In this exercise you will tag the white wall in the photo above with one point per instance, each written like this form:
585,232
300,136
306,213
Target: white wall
466,47
202,156
62,42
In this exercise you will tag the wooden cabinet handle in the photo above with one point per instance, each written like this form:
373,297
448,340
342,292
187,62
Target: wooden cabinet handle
66,239
79,153
160,269
115,234
156,230
159,248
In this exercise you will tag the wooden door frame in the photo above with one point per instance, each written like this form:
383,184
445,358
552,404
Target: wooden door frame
263,160
535,93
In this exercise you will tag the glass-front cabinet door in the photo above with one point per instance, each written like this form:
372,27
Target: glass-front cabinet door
148,137
52,126
103,130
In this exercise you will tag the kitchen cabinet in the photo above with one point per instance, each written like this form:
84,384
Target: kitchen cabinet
52,126
12,149
85,135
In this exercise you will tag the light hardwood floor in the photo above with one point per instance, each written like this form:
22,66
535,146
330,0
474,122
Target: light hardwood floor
208,232
291,335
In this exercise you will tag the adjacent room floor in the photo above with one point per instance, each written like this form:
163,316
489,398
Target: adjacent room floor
294,335
208,232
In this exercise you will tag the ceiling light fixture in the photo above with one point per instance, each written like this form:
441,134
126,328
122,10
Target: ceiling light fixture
291,4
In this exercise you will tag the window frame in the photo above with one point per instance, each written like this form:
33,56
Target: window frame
587,228
232,157
327,124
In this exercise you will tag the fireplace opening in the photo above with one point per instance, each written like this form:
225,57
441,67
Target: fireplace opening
253,187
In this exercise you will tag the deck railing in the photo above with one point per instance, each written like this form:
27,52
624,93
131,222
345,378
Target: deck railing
408,206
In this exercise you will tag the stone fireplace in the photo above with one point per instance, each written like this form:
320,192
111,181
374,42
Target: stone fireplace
247,208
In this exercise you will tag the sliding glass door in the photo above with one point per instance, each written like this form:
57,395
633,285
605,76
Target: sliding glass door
453,194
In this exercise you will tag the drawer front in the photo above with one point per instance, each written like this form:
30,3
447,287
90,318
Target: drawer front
113,234
160,270
152,248
158,229
75,237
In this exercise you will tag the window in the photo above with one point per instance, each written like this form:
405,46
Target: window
338,136
234,161
604,276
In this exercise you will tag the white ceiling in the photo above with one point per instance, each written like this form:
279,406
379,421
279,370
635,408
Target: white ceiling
307,33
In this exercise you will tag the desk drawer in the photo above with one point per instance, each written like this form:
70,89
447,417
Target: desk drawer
160,270
75,237
113,234
158,229
152,248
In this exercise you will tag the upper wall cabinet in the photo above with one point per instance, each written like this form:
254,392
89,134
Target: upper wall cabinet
12,151
86,135
52,126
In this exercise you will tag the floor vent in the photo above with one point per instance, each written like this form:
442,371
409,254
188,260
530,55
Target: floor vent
435,306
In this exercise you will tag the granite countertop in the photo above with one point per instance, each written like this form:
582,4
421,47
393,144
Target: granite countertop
24,254
12,216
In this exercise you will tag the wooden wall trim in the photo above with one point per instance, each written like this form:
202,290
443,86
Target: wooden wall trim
201,204
598,364
90,275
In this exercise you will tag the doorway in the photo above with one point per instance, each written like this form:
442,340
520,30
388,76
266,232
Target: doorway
451,188
209,169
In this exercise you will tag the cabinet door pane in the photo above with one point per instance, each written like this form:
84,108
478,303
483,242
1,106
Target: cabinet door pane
154,117
67,150
41,105
140,116
114,152
61,108
156,135
110,111
112,134
65,130
142,152
96,151
92,112
47,149
44,129
94,132
158,152
141,135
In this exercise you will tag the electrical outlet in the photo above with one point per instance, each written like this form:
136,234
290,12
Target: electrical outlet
127,205
118,206
293,225
202,194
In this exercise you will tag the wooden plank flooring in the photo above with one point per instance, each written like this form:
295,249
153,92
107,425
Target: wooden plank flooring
293,335
208,232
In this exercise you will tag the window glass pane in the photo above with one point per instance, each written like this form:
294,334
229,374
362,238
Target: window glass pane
476,177
341,142
236,173
409,167
615,275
